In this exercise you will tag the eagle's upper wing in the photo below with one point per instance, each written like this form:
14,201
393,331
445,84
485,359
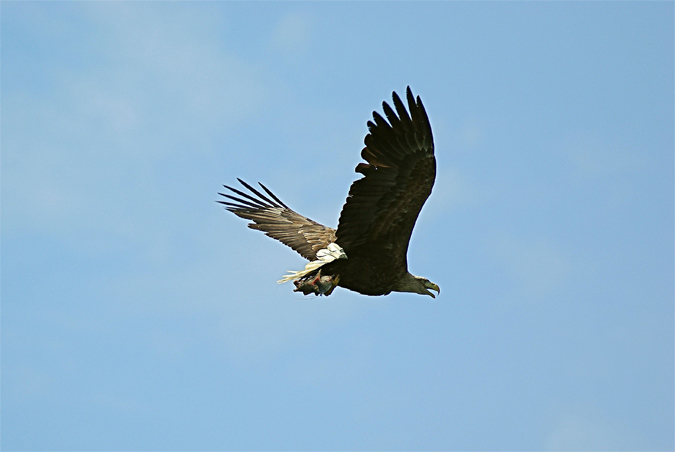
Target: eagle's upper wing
278,221
382,207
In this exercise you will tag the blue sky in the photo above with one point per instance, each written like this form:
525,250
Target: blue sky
137,314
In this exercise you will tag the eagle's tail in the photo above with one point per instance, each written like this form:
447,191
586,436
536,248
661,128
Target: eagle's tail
324,256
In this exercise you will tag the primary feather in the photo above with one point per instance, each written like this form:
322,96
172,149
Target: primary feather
278,221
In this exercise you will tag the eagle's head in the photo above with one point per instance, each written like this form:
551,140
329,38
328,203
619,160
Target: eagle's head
417,284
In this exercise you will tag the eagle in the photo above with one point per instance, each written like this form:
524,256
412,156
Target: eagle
367,253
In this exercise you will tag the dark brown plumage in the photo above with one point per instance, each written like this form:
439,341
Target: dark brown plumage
377,219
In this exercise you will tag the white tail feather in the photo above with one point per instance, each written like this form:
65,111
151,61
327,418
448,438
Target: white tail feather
324,256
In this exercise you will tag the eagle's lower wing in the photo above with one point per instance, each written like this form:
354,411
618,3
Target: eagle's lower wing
382,207
277,220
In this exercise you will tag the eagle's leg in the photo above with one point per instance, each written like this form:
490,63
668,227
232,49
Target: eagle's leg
334,283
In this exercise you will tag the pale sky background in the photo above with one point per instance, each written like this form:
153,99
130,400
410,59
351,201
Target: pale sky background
137,314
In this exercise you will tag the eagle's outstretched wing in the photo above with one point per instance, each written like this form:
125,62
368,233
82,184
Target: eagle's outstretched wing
278,221
382,207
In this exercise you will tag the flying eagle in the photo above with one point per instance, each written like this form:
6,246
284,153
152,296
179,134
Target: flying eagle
367,252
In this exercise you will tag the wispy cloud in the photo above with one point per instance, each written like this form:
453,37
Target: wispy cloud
153,97
593,157
97,164
293,32
452,189
538,266
583,428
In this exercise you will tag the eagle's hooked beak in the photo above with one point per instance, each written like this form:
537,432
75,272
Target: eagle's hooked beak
432,286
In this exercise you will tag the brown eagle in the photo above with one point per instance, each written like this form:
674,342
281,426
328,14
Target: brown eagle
367,252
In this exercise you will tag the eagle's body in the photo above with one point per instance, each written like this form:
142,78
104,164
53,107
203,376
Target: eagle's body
367,252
